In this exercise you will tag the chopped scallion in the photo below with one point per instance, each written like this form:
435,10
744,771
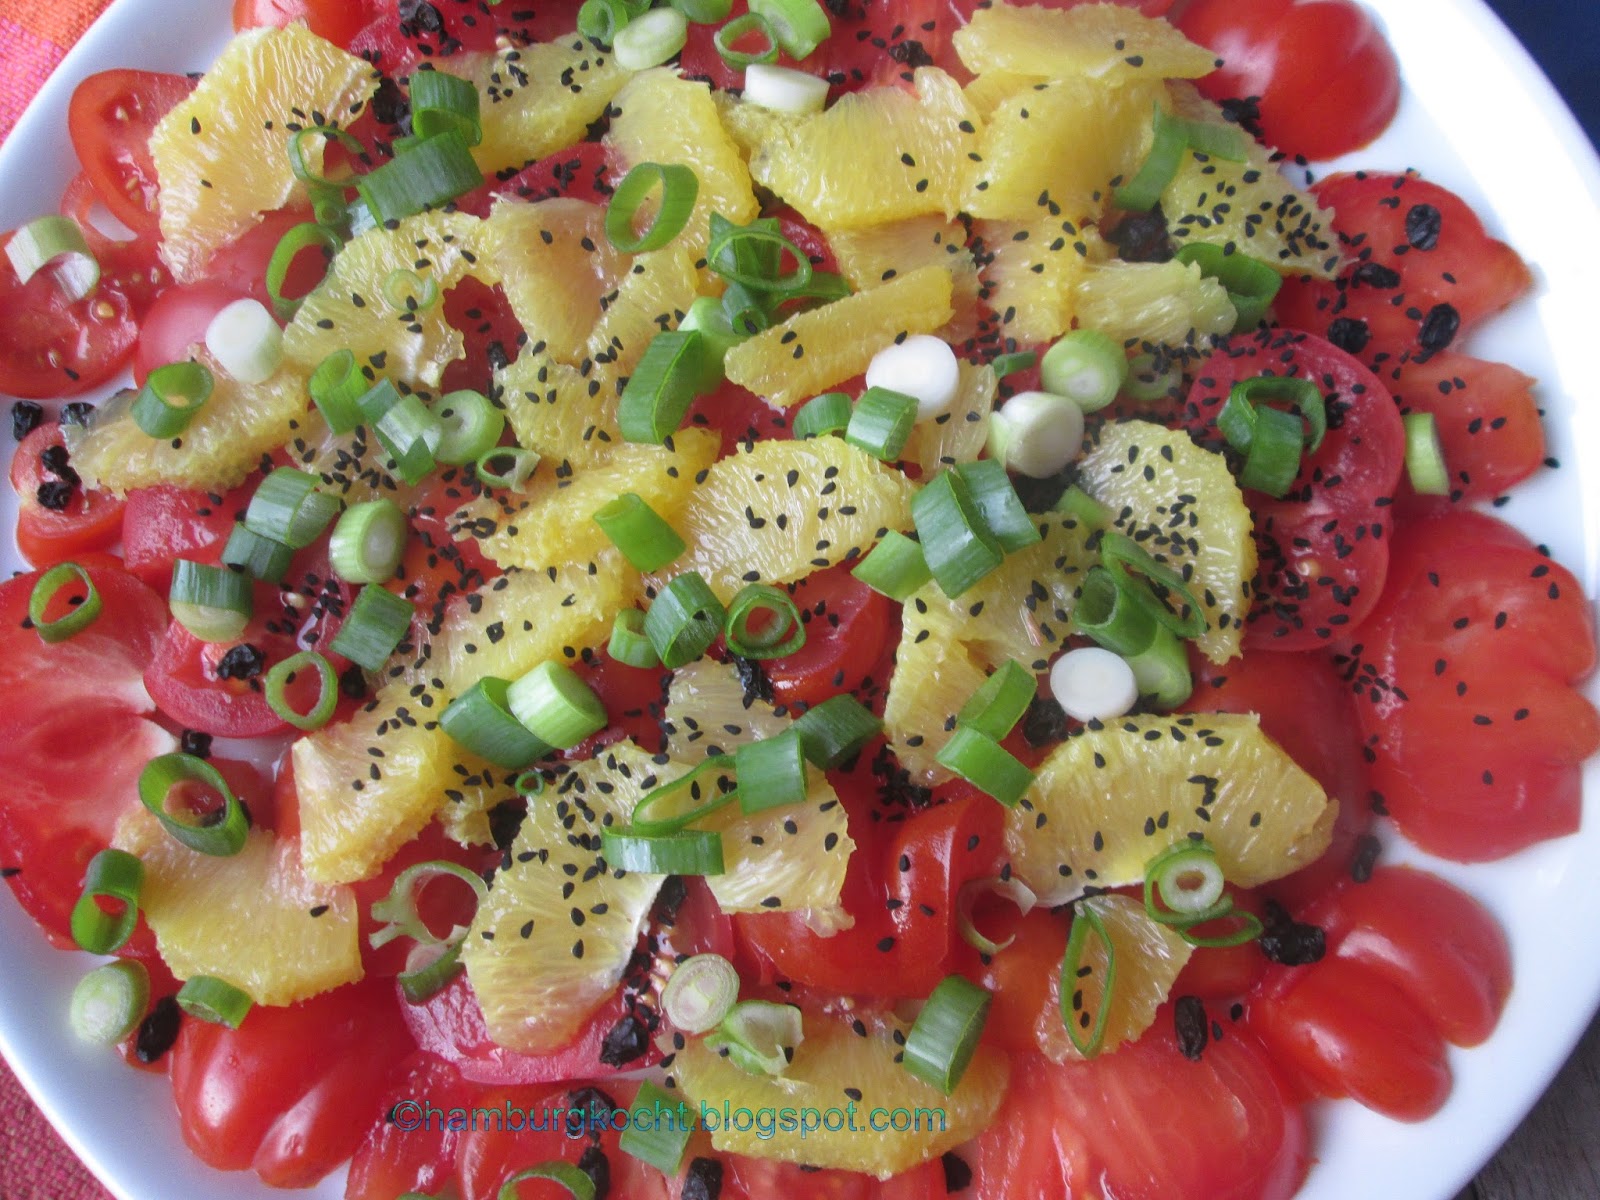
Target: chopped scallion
629,644
748,25
945,1035
641,533
556,706
691,852
213,603
986,765
772,772
836,730
206,998
650,39
822,415
684,619
997,705
481,721
999,507
82,598
183,792
443,103
170,398
663,810
763,622
1086,367
759,1037
433,171
368,542
259,557
679,187
1425,456
881,423
373,628
659,1128
288,508
1090,953
57,243
284,673
672,372
895,567
117,877
959,548
109,1002
700,992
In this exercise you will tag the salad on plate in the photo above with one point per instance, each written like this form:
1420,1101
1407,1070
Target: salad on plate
726,600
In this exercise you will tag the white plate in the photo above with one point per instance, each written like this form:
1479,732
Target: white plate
1477,117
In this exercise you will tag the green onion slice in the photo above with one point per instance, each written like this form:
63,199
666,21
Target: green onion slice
895,567
700,992
957,544
1158,585
285,673
299,149
480,720
1086,367
215,1000
556,706
259,557
288,508
836,730
1090,953
658,1129
64,579
680,187
471,426
300,237
599,20
759,1036
407,292
750,24
629,643
369,541
1247,927
565,1174
1425,456
170,398
690,852
1112,616
1152,377
1272,463
1161,670
999,507
822,415
57,243
213,603
704,12
684,619
946,1033
1009,364
1251,283
442,103
641,533
881,423
1240,416
336,387
972,891
996,707
408,431
657,395
1188,881
170,787
109,1002
650,39
432,172
752,255
1174,136
115,876
399,913
661,810
986,765
374,626
708,317
508,467
763,622
772,772
799,25
1084,509
428,971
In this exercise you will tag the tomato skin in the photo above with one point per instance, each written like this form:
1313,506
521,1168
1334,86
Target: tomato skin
490,1156
291,1091
64,793
1419,270
1463,679
847,634
1412,962
91,520
1020,976
110,119
177,322
336,20
392,1161
1327,81
164,523
51,347
1322,550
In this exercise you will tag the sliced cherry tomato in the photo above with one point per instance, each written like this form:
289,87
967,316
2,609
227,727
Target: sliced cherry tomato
110,119
65,792
177,322
901,889
1487,420
1419,270
164,523
57,516
400,33
549,1120
1463,678
847,638
1306,707
1412,963
241,266
291,1092
336,20
393,1161
1321,549
436,566
1322,73
1020,975
738,415
580,172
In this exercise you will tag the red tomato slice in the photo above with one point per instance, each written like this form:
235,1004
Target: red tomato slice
1420,270
57,516
1321,548
1322,72
177,322
436,566
848,630
292,1091
1463,679
336,20
1487,420
64,792
490,1156
1412,962
110,119
164,523
393,1161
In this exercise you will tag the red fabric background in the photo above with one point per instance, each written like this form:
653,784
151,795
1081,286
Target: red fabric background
34,1162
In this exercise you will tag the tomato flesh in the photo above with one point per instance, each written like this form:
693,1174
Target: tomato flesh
110,118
